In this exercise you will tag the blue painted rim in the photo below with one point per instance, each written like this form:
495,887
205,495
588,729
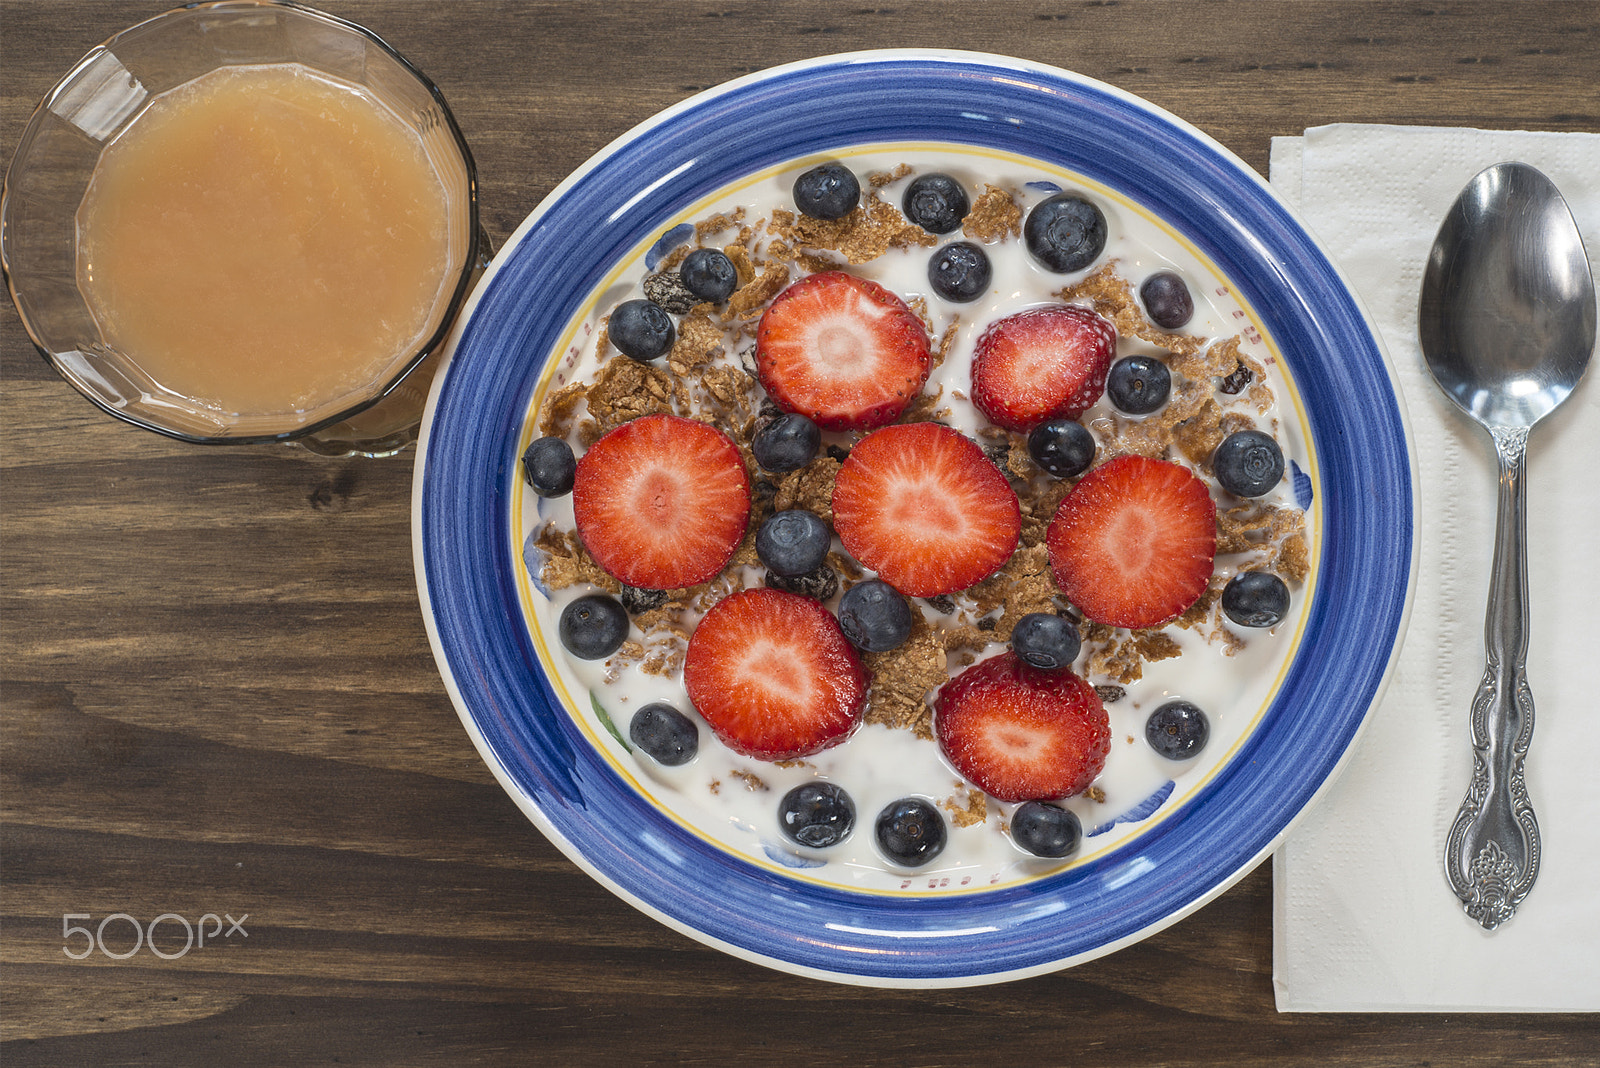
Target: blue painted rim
467,566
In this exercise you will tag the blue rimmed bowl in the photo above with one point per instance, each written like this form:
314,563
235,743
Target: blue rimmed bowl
467,563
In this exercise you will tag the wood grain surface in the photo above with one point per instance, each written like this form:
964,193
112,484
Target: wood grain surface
219,698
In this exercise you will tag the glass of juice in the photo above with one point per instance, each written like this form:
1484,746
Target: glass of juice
245,222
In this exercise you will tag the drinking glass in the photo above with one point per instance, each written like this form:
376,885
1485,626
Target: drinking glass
105,94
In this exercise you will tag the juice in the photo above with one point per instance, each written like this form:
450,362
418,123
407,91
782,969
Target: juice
265,240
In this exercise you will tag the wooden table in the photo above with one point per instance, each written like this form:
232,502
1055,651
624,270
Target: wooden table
219,698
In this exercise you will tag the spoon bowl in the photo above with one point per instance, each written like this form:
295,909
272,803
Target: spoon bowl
1508,302
1507,324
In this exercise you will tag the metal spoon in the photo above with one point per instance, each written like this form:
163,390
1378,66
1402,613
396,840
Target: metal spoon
1507,321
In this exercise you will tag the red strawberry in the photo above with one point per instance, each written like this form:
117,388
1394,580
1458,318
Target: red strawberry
1043,363
774,675
1020,733
842,350
1134,542
924,507
661,502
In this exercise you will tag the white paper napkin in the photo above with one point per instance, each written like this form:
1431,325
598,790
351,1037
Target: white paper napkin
1363,919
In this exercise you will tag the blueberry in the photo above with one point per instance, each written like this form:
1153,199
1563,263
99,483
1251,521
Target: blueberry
548,466
1065,233
1177,730
1255,599
960,272
786,442
793,542
1045,830
593,627
817,814
827,191
1166,300
874,616
911,832
1138,385
709,274
1044,640
641,329
1248,463
1063,447
669,736
935,202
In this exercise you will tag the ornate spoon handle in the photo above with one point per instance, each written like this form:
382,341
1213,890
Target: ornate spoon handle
1492,854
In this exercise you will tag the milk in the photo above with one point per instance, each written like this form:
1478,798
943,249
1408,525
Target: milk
733,800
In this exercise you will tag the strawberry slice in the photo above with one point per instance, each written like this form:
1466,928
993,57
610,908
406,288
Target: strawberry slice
842,350
1043,363
1021,733
1133,544
924,507
774,676
661,502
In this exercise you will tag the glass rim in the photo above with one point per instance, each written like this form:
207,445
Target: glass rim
476,239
